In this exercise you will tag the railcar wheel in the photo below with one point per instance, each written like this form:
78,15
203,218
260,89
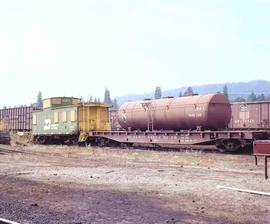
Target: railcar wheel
71,141
229,145
232,146
102,142
42,140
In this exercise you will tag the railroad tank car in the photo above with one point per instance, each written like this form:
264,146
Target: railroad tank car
250,115
203,112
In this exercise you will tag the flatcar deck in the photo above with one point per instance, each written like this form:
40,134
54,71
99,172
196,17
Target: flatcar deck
229,140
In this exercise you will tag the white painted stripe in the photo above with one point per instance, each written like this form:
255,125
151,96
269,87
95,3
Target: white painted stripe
5,221
244,190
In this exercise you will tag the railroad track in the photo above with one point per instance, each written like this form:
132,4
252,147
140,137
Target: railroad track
73,160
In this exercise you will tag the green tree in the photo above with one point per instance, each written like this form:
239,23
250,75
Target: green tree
261,97
189,91
239,99
225,91
158,93
90,100
252,97
107,97
39,100
115,104
180,94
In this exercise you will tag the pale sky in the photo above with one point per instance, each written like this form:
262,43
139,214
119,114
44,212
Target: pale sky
78,48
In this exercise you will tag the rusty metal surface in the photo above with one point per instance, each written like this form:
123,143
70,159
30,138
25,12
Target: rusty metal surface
261,147
252,115
210,112
17,118
174,138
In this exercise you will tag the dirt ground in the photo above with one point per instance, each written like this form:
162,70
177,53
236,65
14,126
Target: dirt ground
58,184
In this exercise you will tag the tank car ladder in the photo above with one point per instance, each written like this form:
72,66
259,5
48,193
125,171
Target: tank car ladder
150,119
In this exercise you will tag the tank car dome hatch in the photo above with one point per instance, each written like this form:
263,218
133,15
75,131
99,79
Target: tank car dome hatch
208,112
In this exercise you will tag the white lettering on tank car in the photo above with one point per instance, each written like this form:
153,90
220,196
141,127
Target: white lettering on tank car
195,115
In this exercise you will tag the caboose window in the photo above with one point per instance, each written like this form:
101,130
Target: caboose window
34,119
72,116
56,117
64,116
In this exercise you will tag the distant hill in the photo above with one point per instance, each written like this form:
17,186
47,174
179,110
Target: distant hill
239,89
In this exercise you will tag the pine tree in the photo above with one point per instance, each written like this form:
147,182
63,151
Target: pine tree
158,93
107,97
239,99
39,100
115,104
261,97
252,97
189,91
90,100
225,91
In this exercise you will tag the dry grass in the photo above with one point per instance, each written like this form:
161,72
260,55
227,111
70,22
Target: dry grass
168,158
20,138
57,149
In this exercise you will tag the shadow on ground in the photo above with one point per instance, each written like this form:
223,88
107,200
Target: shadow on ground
30,202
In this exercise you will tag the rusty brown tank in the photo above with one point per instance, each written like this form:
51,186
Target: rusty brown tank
205,112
